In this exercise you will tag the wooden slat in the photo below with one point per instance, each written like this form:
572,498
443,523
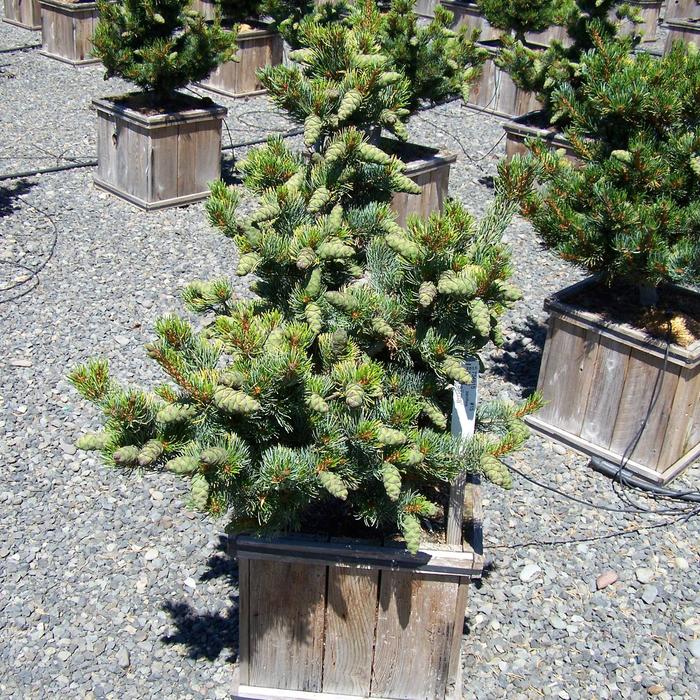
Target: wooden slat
454,679
246,692
693,435
607,383
163,166
349,638
633,438
415,629
287,604
681,422
244,621
106,149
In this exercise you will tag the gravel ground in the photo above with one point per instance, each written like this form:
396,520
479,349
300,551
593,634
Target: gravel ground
110,588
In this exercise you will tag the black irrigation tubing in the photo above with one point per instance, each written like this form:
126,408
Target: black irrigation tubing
21,48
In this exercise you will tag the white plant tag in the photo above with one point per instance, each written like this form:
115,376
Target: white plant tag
464,398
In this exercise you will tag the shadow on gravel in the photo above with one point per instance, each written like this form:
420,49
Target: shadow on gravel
9,193
518,364
207,634
229,174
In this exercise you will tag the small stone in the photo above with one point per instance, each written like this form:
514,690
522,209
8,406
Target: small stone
122,340
655,689
649,594
20,362
123,658
644,575
694,648
606,579
190,583
151,554
564,695
682,563
558,623
559,449
529,572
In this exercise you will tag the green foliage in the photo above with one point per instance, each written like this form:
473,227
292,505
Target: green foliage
587,22
631,211
287,14
160,45
371,70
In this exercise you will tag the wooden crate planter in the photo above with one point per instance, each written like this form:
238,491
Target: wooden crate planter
206,8
681,9
427,167
532,126
600,379
496,93
649,11
467,14
348,619
67,29
158,160
257,47
23,13
687,30
425,8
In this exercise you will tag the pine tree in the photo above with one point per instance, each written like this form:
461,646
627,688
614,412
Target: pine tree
160,45
587,23
631,211
331,390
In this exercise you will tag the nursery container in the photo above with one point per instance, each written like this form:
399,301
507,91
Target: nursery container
649,11
687,30
23,13
425,8
468,14
324,618
681,9
616,393
258,46
427,167
206,8
496,93
67,29
534,125
157,159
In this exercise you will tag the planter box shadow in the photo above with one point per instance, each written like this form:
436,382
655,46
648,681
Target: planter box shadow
615,393
158,160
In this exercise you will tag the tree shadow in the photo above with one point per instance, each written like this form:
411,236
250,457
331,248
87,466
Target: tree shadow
518,364
206,635
229,172
10,193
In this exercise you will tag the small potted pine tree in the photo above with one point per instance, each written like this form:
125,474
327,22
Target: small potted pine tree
322,407
25,14
332,86
621,364
589,24
259,45
67,27
159,147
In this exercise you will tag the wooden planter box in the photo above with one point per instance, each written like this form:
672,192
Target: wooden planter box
650,11
348,619
467,14
158,160
427,167
681,9
257,47
425,8
207,8
67,29
613,394
687,30
496,93
532,126
23,13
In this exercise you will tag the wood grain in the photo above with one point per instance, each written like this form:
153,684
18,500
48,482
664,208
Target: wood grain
67,30
23,13
679,30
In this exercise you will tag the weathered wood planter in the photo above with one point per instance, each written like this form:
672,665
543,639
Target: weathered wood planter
67,29
427,167
23,13
649,11
257,47
157,160
681,9
425,8
687,30
496,93
206,8
467,14
348,619
533,125
613,393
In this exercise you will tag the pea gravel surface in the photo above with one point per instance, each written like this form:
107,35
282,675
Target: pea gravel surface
110,587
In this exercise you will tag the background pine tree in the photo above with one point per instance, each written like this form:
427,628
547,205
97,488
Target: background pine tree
160,45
